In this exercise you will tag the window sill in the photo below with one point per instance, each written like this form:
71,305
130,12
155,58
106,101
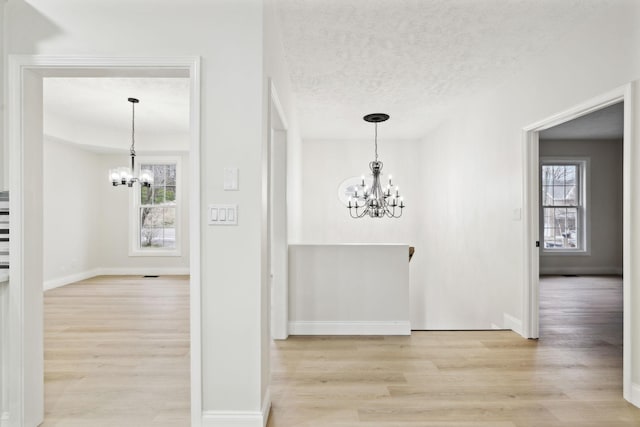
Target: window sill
155,253
560,252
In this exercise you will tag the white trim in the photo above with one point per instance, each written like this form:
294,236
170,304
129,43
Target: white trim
4,419
510,322
71,278
195,307
585,271
144,271
273,94
584,206
87,66
117,271
531,225
391,327
635,394
266,407
239,418
279,316
628,281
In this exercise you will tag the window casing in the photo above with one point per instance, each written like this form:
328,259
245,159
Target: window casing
155,214
563,206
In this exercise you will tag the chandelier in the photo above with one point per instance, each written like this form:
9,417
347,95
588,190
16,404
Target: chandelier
373,200
126,175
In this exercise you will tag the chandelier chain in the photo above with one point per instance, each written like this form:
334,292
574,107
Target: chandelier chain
376,141
133,129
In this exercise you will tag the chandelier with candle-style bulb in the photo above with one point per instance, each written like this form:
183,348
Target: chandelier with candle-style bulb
373,200
125,175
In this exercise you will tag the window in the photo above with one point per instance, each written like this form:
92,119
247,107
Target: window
156,211
564,213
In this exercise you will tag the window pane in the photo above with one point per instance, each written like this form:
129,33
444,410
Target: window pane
560,228
170,193
158,227
163,190
547,175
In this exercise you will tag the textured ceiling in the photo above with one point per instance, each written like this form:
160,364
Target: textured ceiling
94,112
607,123
410,58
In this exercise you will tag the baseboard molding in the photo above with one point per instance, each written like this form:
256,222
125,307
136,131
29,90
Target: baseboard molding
399,327
146,271
635,395
131,271
510,322
587,271
238,418
72,278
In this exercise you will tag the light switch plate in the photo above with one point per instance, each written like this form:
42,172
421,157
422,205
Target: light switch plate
230,179
222,214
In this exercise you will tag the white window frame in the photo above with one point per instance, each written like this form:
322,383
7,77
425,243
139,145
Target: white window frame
134,210
584,208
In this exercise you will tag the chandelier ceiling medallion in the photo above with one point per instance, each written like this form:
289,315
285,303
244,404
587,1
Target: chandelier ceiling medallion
126,175
372,200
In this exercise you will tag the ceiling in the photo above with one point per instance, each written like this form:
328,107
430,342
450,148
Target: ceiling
607,123
94,112
412,59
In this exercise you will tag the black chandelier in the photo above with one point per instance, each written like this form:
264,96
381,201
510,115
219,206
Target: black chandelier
125,175
372,200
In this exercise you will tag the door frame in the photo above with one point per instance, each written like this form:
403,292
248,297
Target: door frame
279,317
531,232
19,66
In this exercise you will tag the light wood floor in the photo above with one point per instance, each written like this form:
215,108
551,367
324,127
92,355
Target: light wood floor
117,353
572,376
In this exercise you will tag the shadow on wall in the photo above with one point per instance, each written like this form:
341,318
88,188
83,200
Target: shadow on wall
40,27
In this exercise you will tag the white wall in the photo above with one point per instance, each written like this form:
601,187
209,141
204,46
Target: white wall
352,289
472,187
4,173
72,202
327,163
228,36
86,219
605,207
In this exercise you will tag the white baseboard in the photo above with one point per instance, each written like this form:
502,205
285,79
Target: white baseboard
510,322
238,418
587,271
131,271
399,327
635,395
145,271
72,278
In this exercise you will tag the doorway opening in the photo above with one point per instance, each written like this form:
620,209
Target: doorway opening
561,215
24,299
109,333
